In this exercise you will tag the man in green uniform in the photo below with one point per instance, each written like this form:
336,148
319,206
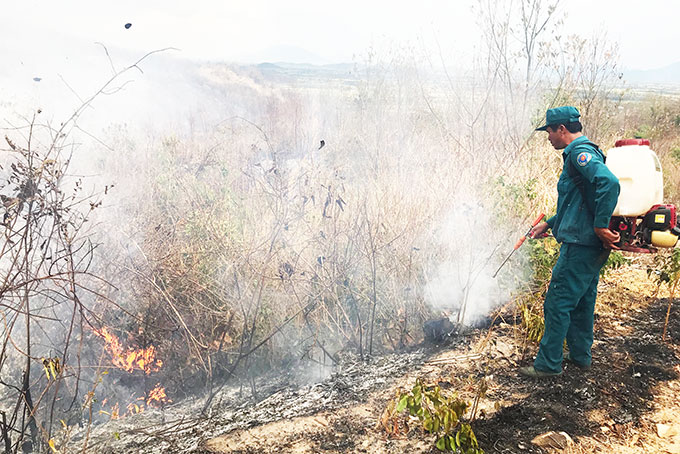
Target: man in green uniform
587,195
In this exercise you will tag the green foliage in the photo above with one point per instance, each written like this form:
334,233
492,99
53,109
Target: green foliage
675,153
643,132
532,322
615,261
440,415
543,255
666,269
515,195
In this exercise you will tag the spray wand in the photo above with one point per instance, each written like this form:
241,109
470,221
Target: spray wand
520,242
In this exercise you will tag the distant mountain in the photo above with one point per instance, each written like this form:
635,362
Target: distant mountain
290,54
281,65
286,71
668,75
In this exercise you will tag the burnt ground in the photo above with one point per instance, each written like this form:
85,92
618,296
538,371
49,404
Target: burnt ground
611,402
627,403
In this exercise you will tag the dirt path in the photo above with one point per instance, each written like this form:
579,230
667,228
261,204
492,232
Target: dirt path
627,403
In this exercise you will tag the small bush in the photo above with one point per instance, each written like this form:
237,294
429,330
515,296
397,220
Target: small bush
532,322
644,132
666,270
439,414
675,153
543,256
615,261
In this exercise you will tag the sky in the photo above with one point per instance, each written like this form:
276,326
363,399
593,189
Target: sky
53,53
323,31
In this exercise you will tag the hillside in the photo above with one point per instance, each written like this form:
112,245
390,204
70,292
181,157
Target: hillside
625,404
206,257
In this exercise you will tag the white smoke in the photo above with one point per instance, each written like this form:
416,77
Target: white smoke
461,283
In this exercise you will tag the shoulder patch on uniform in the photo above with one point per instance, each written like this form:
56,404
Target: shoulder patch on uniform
583,158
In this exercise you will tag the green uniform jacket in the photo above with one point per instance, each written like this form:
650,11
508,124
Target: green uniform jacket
574,221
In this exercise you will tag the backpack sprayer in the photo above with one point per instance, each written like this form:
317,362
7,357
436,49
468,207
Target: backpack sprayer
644,222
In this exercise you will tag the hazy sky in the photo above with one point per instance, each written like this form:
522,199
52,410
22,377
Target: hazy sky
647,32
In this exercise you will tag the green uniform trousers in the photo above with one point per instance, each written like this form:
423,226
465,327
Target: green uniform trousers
569,306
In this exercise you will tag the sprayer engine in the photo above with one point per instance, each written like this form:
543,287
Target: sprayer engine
642,219
657,228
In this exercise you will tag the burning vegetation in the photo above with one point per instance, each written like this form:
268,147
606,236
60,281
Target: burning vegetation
129,359
227,279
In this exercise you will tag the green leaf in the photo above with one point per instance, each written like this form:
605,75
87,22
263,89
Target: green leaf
412,410
402,403
417,392
441,443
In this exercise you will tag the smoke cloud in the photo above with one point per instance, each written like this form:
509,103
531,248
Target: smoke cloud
460,282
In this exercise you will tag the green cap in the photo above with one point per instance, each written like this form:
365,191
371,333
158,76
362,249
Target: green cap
560,116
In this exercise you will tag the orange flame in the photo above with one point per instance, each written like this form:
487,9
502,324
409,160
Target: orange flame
130,360
127,358
134,408
157,396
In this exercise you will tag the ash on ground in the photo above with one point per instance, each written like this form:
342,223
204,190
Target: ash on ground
182,428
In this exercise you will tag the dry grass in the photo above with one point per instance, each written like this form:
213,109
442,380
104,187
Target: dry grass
459,368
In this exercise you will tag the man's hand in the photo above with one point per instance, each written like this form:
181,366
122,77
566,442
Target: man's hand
608,237
539,230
